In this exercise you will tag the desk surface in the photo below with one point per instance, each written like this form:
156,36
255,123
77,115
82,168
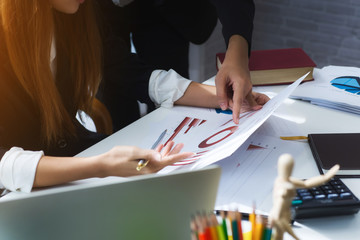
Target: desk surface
315,119
310,119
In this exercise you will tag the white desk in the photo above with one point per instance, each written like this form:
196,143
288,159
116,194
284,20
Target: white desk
311,119
314,119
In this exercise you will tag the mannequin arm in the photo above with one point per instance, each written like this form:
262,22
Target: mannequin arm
315,181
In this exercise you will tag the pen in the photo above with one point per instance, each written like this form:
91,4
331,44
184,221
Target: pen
142,163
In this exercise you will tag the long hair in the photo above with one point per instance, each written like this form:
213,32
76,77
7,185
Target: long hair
29,27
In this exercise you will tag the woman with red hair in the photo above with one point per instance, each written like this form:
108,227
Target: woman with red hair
51,66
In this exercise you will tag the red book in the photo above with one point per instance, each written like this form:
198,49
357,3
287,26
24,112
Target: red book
276,66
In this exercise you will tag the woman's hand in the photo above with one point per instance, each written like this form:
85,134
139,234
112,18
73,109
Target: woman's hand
120,161
233,83
123,160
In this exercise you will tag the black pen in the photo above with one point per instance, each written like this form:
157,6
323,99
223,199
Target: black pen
142,163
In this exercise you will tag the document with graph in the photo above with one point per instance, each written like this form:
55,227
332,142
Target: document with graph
252,168
334,87
209,133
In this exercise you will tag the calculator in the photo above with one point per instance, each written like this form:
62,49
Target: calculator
330,199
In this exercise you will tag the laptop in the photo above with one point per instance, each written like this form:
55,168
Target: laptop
145,207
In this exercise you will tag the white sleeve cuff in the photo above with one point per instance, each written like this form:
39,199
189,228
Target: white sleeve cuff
18,168
166,87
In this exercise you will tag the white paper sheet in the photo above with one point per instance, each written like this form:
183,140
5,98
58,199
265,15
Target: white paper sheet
240,179
213,136
321,92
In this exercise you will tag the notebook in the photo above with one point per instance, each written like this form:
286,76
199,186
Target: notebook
146,207
337,148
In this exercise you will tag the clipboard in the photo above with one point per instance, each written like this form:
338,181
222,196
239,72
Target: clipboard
329,149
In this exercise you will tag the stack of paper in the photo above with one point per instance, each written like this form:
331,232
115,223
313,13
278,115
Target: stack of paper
334,87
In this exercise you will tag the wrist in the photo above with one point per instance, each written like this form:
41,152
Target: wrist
98,167
237,50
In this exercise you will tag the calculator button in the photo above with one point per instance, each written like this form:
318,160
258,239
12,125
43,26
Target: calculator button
346,195
330,191
307,198
342,190
339,187
326,187
317,192
320,196
304,194
302,190
333,195
335,182
296,202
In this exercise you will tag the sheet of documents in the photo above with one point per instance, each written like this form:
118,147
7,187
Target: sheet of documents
210,134
249,173
344,94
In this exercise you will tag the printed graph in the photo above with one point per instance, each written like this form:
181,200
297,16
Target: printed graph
350,84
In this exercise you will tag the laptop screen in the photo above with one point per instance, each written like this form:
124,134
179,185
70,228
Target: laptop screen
146,207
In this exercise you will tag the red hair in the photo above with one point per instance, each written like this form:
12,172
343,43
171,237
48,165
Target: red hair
29,28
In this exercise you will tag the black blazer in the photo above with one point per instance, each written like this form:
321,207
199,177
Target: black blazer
192,19
163,29
237,17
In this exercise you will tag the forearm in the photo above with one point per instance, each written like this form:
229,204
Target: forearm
199,95
237,52
58,170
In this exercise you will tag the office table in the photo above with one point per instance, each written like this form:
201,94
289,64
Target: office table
310,119
315,119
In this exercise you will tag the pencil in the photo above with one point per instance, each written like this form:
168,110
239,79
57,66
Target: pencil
252,218
213,226
234,226
267,230
142,163
239,219
221,232
223,216
229,228
259,229
207,226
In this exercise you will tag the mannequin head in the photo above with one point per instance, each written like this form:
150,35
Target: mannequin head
285,166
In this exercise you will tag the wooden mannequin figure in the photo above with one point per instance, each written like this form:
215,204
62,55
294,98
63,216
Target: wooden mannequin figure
285,190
